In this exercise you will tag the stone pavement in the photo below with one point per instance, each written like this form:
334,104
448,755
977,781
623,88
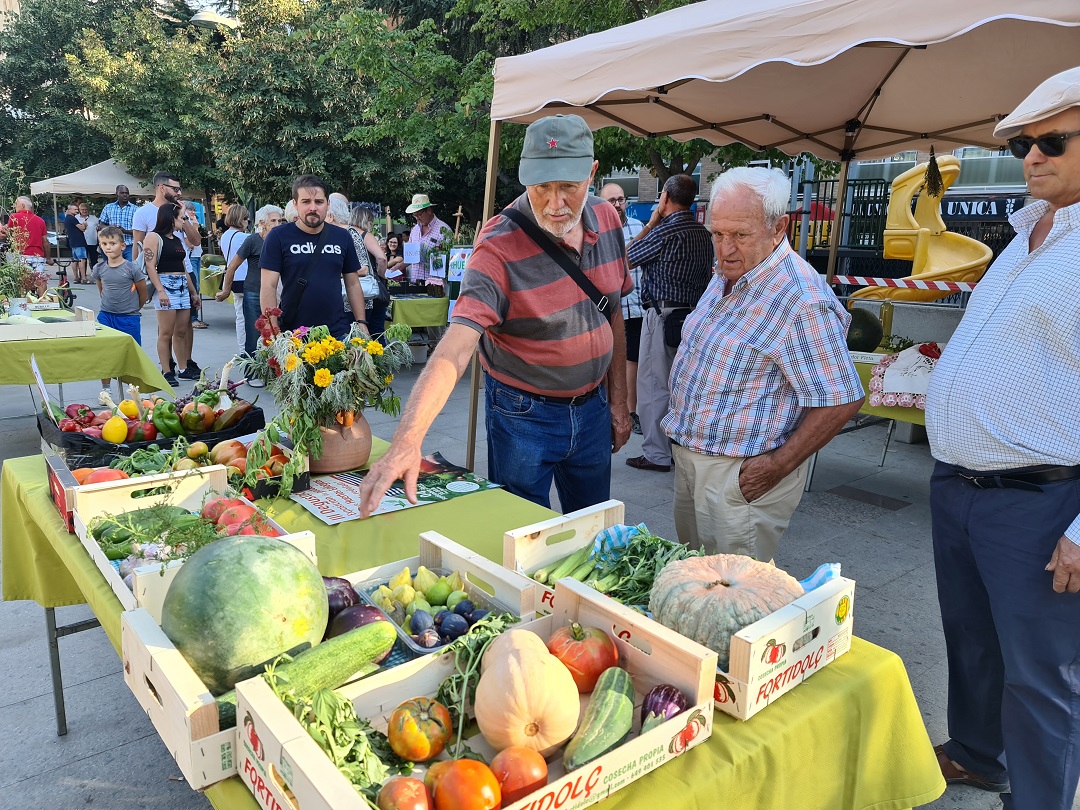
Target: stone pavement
874,520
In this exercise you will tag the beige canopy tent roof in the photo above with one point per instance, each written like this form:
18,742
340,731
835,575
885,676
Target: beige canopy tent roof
841,79
99,180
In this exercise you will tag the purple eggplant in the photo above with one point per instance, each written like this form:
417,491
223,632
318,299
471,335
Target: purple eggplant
661,703
357,616
339,594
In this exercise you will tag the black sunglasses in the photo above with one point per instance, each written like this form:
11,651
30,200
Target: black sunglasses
1050,145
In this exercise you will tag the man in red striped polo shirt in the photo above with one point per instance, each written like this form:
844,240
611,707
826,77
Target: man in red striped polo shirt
555,364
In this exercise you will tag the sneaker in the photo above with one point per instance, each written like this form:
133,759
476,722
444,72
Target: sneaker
170,378
189,373
191,364
635,424
256,383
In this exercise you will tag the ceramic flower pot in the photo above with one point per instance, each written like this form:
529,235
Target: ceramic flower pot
18,307
343,448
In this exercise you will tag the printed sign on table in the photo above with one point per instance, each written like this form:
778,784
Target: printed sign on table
335,498
411,252
459,258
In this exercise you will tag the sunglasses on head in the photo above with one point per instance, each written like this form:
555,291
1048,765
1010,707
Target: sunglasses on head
1050,145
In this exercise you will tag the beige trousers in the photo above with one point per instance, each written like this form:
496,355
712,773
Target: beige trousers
711,512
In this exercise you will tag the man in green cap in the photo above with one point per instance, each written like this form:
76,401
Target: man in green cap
541,298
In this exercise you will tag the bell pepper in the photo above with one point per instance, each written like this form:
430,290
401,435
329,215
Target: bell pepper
142,432
209,398
167,420
69,426
94,432
197,417
101,418
83,414
232,416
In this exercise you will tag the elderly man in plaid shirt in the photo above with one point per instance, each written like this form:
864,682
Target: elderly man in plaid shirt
762,379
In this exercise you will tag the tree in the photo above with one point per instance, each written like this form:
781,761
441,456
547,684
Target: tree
47,127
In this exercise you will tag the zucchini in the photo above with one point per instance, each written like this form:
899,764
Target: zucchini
607,722
569,564
325,666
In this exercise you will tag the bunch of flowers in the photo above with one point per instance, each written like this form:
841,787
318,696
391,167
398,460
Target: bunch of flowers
17,278
320,381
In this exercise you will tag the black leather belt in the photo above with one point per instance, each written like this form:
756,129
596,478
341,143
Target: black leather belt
659,305
580,399
1027,478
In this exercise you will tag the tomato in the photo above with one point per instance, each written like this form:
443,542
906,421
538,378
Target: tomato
519,771
80,475
105,474
238,464
404,793
419,729
214,507
585,651
237,513
223,452
463,784
197,450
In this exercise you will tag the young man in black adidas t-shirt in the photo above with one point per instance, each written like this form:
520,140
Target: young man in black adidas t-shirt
290,248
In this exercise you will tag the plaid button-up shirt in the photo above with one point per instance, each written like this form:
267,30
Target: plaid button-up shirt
753,361
119,215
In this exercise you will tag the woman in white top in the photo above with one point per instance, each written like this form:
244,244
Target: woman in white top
87,216
236,220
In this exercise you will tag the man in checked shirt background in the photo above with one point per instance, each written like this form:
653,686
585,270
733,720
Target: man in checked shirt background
762,379
1005,494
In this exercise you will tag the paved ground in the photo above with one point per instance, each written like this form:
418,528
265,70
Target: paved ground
874,520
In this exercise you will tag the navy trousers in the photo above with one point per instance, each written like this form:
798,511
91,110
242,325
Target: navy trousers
1013,644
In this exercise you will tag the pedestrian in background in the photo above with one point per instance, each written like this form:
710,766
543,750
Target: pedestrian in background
236,266
87,217
360,222
195,265
120,213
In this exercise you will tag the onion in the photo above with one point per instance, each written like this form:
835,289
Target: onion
357,616
339,594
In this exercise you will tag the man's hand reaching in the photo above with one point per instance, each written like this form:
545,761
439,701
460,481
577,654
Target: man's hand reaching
398,462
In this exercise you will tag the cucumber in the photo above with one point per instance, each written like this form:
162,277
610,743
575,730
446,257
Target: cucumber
325,666
607,722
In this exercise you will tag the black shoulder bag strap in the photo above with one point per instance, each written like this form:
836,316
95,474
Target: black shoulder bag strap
534,232
289,312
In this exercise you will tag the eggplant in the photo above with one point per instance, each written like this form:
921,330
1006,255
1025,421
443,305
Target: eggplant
357,616
661,703
339,594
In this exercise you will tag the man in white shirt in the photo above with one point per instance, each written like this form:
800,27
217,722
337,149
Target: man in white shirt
1005,493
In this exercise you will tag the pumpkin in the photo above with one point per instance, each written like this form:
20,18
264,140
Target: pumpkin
526,698
710,599
504,643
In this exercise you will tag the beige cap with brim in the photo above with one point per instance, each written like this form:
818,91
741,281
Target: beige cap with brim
1051,97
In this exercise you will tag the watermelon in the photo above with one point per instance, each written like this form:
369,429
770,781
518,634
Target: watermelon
865,332
240,602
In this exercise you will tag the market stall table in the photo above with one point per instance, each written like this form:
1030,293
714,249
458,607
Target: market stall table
851,737
418,311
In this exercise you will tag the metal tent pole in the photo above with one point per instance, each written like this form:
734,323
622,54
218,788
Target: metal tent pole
835,234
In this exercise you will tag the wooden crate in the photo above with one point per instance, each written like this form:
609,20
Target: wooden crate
83,326
174,698
535,546
284,767
775,654
188,489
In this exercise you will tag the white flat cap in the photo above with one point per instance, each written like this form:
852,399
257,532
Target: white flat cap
1051,97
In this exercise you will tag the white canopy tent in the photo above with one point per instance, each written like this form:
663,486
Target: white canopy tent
841,79
99,180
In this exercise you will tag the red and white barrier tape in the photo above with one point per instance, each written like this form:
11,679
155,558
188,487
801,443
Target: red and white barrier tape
865,281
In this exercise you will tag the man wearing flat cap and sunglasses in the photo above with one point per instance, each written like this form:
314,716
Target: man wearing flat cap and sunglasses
1005,493
541,297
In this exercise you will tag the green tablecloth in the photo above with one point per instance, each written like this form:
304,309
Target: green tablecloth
851,737
915,416
106,353
210,278
418,312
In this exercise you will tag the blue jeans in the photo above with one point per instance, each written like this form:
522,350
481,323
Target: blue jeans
531,441
1012,642
252,311
193,263
127,252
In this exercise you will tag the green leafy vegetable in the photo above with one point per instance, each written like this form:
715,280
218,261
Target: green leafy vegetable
626,573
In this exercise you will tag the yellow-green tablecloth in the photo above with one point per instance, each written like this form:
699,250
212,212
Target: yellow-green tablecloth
915,416
210,278
106,353
850,738
418,312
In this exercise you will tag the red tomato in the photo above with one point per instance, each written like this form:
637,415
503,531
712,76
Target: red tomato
419,729
585,651
237,513
463,784
213,508
519,771
404,793
105,474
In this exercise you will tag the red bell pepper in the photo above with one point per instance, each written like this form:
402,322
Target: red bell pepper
142,432
101,418
82,414
69,426
92,431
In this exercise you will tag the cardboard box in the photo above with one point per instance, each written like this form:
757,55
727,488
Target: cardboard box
83,326
283,767
174,698
772,656
187,489
540,544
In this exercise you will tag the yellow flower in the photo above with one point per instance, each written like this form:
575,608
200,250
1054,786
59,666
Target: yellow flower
291,362
296,342
389,379
358,341
332,345
323,377
314,354
374,348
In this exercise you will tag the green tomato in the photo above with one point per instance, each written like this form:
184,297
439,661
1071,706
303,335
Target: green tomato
454,598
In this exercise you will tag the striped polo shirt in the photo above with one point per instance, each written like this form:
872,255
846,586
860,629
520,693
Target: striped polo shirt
540,332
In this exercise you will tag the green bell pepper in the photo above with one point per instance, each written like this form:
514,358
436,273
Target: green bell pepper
167,420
